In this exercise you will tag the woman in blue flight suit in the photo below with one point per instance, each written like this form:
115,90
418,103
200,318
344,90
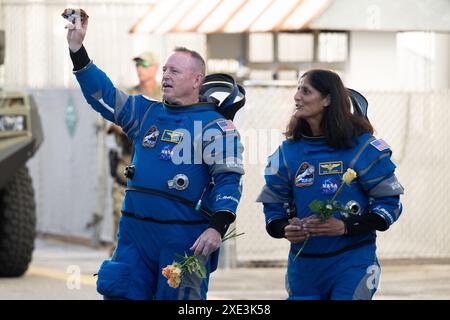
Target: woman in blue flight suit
324,139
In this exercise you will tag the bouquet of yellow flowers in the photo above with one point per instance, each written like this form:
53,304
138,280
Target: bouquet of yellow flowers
189,264
327,208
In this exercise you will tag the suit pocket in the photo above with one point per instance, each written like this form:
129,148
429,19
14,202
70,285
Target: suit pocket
113,279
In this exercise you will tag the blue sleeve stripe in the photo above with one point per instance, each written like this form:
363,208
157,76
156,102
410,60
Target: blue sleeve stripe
285,163
278,175
132,134
133,129
374,180
121,101
280,186
268,195
374,162
398,211
126,127
97,95
108,108
146,115
360,151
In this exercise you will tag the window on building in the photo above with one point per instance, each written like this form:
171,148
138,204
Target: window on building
261,47
294,47
333,46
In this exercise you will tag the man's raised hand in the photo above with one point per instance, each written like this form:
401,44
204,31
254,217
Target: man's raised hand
77,27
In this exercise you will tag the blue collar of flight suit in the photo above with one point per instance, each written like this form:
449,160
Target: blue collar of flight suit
196,107
315,144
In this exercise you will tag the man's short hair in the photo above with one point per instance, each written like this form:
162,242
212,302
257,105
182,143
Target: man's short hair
195,55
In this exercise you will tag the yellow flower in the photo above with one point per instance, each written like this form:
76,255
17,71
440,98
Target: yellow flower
349,175
173,274
176,272
167,271
171,270
188,264
174,282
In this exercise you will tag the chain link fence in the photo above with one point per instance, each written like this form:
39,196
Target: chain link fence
415,124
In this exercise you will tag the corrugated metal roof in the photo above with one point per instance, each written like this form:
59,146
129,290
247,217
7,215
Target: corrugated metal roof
229,16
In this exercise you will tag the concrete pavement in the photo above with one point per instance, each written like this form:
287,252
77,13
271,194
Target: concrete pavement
65,271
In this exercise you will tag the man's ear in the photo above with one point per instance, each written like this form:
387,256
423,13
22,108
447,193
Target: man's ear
198,81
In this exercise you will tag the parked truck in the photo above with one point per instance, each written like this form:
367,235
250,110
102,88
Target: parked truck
20,137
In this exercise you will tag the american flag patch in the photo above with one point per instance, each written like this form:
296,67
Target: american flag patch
380,144
226,125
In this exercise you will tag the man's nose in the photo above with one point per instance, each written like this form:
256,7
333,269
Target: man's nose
165,75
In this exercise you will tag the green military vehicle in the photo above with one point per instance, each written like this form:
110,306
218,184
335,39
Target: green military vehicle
20,137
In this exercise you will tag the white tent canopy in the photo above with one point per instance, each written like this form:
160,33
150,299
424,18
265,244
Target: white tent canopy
237,16
229,16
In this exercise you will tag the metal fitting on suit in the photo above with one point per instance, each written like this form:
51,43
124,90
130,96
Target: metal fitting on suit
179,182
354,206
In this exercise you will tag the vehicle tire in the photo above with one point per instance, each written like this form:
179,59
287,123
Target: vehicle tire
17,224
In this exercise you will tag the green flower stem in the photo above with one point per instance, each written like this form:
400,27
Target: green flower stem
321,207
301,249
337,191
226,237
189,260
191,264
230,232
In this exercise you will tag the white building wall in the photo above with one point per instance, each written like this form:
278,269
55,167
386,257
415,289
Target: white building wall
372,61
406,61
442,61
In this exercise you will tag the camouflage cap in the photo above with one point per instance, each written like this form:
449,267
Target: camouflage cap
148,56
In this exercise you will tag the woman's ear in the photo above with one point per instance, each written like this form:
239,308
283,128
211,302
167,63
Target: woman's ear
326,101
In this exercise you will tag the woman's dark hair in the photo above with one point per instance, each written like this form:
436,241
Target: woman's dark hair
339,124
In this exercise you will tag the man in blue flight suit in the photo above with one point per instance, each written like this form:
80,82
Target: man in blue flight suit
184,184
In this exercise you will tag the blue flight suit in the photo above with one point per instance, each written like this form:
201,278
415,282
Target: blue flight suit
332,267
193,145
